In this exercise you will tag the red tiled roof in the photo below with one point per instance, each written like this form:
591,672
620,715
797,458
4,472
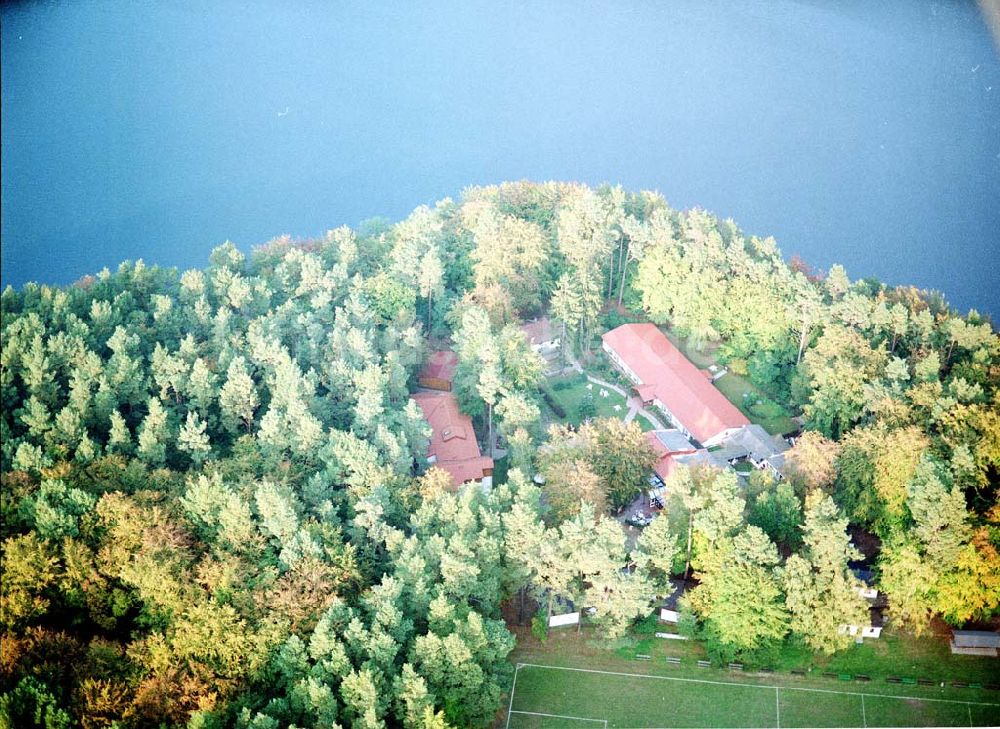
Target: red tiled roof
664,467
453,441
440,366
665,464
679,385
538,331
646,392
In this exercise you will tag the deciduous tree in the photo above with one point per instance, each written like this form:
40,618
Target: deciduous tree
821,593
619,453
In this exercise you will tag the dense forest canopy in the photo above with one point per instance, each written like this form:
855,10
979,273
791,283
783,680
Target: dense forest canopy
217,508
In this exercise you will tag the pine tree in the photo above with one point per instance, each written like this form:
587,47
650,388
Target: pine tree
911,582
193,439
738,598
619,453
778,512
35,415
238,399
154,434
567,308
119,437
430,279
489,387
939,512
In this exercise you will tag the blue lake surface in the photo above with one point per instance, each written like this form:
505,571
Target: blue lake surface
854,132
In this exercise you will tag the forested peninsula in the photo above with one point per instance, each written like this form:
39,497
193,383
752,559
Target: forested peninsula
219,507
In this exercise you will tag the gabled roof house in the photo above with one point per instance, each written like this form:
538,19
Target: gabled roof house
453,445
667,379
754,444
541,334
438,371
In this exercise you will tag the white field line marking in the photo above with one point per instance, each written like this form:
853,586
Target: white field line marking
755,685
511,705
562,716
777,706
970,714
864,716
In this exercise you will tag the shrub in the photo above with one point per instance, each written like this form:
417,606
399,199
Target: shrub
565,383
612,318
551,401
738,366
538,627
647,625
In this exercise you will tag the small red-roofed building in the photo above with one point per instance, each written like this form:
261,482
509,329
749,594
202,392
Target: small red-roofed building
453,446
667,379
438,371
666,444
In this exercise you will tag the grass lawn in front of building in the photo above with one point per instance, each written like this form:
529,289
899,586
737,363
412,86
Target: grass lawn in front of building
572,391
645,424
753,403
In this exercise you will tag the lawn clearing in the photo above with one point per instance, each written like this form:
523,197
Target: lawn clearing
553,696
570,391
769,414
645,424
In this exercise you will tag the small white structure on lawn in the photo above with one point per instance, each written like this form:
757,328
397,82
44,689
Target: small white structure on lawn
668,610
542,336
565,619
669,616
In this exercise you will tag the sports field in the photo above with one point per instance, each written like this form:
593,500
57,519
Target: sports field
552,696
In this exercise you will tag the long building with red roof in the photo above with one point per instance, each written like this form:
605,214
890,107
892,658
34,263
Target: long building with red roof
667,379
453,446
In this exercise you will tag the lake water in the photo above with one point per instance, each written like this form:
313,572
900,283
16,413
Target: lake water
854,132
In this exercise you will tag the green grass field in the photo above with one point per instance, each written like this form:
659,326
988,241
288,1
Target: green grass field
774,418
553,696
571,397
769,414
645,424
